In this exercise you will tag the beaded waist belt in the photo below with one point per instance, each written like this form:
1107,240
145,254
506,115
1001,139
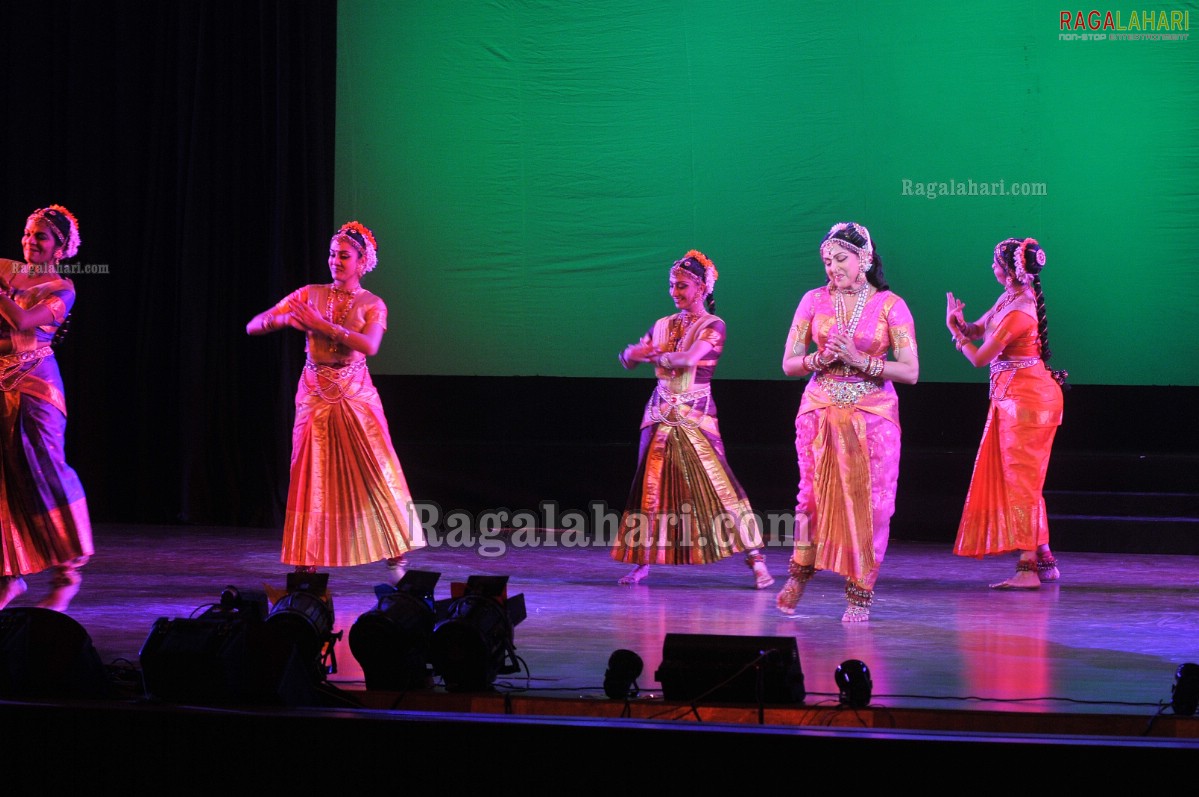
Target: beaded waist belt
683,398
21,357
1000,366
844,392
12,366
678,410
333,383
336,370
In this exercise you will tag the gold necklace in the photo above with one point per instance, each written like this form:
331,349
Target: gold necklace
1007,298
345,310
679,326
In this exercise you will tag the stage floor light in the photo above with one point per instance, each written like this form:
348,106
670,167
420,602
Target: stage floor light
250,602
854,684
303,616
227,656
391,641
473,643
620,679
1185,692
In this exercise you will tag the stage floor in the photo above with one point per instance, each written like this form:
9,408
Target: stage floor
1105,641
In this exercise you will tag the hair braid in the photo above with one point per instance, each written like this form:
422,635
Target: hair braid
1042,320
1059,376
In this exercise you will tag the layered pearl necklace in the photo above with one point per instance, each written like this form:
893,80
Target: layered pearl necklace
850,325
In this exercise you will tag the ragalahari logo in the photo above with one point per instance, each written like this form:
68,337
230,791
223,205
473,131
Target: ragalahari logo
1160,21
1096,25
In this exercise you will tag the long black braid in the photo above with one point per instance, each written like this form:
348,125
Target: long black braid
1042,320
1034,261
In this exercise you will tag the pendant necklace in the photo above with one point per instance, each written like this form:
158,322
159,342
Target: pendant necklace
345,310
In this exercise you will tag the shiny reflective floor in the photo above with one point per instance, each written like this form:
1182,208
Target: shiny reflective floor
1107,639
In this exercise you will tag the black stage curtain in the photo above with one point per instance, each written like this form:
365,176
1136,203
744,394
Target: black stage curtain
194,141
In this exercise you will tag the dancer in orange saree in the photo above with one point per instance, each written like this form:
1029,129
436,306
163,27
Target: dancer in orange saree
44,521
1005,507
685,506
348,501
847,435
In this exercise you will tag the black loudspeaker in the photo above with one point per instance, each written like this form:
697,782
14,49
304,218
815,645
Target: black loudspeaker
46,654
731,669
224,659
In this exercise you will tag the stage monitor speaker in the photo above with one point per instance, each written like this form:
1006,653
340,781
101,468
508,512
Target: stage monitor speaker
224,660
711,668
46,654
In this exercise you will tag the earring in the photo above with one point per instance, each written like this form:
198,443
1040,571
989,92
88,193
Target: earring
861,279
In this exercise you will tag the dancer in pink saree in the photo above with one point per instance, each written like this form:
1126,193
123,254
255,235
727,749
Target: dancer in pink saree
1005,507
348,501
847,435
44,521
685,506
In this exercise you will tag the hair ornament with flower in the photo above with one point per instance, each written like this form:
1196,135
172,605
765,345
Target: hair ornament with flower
1019,255
710,272
865,252
63,226
1040,255
363,240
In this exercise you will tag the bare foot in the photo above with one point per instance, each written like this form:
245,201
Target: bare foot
633,576
788,597
66,586
395,570
11,588
762,577
856,614
1024,579
1047,567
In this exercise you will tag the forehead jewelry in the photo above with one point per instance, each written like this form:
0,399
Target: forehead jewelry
865,252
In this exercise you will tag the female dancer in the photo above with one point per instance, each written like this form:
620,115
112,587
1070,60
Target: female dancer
1005,508
685,506
44,521
847,429
348,502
